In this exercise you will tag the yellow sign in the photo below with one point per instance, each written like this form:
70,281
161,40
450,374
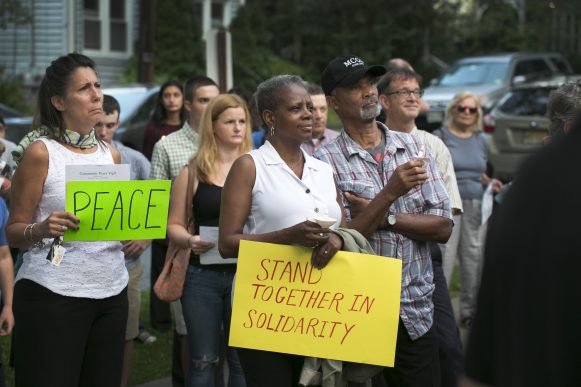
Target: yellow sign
118,210
347,311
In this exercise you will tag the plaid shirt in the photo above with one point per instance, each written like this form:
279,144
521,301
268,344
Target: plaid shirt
312,146
172,152
357,172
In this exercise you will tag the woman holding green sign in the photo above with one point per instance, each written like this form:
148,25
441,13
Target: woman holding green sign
70,300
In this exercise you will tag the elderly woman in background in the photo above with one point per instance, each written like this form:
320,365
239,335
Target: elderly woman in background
272,191
463,136
70,299
225,134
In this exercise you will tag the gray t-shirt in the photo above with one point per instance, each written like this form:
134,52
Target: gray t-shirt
469,156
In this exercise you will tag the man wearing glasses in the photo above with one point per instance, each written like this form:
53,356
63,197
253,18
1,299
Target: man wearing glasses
399,95
409,200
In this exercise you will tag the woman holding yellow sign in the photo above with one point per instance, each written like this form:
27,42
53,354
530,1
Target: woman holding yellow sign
70,300
280,194
224,136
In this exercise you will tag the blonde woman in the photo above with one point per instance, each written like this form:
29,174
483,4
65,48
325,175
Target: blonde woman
225,134
467,144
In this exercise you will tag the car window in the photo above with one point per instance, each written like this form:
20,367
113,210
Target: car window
146,110
527,102
475,73
129,101
532,69
561,65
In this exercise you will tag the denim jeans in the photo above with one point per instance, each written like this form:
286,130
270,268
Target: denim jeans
206,307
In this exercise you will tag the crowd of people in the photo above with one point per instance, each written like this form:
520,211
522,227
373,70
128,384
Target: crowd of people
74,308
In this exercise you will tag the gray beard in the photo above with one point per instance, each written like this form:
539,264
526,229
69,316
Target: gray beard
368,114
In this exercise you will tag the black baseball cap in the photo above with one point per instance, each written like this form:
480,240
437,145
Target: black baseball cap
345,71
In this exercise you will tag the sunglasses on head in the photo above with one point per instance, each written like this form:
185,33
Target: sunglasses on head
466,109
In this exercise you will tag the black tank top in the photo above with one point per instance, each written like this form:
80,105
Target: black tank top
206,210
206,205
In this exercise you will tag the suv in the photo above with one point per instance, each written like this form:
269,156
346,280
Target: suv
489,77
137,105
518,125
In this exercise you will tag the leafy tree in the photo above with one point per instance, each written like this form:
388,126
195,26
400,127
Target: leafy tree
12,93
178,49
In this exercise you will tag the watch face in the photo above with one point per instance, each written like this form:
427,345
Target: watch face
391,219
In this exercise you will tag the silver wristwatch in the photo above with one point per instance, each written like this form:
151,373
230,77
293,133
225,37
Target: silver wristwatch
391,220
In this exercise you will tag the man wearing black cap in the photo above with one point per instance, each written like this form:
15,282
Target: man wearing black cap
408,198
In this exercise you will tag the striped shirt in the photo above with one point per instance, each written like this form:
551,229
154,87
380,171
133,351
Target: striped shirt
172,152
356,171
312,146
443,160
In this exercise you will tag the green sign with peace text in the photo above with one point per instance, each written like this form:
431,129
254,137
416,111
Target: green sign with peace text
118,210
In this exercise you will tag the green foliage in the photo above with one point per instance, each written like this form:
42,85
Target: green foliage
130,74
178,49
12,93
306,35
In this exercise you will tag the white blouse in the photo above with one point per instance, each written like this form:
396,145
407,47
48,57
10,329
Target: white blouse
280,199
88,269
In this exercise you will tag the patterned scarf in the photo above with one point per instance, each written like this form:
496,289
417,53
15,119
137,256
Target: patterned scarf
70,137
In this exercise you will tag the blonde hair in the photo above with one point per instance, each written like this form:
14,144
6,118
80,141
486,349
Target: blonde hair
451,109
203,159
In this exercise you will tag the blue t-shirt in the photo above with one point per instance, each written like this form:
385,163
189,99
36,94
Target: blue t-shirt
469,156
3,220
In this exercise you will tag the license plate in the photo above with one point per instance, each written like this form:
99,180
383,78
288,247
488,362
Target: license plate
432,117
534,137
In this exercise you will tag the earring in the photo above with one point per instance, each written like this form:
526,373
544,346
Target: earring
272,131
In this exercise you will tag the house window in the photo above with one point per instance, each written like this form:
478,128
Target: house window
118,21
92,25
108,27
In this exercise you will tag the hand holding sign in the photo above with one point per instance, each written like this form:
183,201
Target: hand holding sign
55,225
323,253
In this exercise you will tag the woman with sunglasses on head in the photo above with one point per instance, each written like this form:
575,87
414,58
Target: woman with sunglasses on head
169,115
463,135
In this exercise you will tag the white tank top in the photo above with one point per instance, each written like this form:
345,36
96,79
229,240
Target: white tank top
88,269
280,199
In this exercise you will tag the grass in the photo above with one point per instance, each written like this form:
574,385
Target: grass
150,362
454,287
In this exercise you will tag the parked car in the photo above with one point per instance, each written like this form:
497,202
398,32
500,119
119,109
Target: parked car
518,125
17,124
489,77
137,104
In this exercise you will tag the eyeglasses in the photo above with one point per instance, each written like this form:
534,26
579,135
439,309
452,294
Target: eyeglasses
466,109
407,93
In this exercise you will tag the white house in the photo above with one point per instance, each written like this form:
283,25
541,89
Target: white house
105,30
